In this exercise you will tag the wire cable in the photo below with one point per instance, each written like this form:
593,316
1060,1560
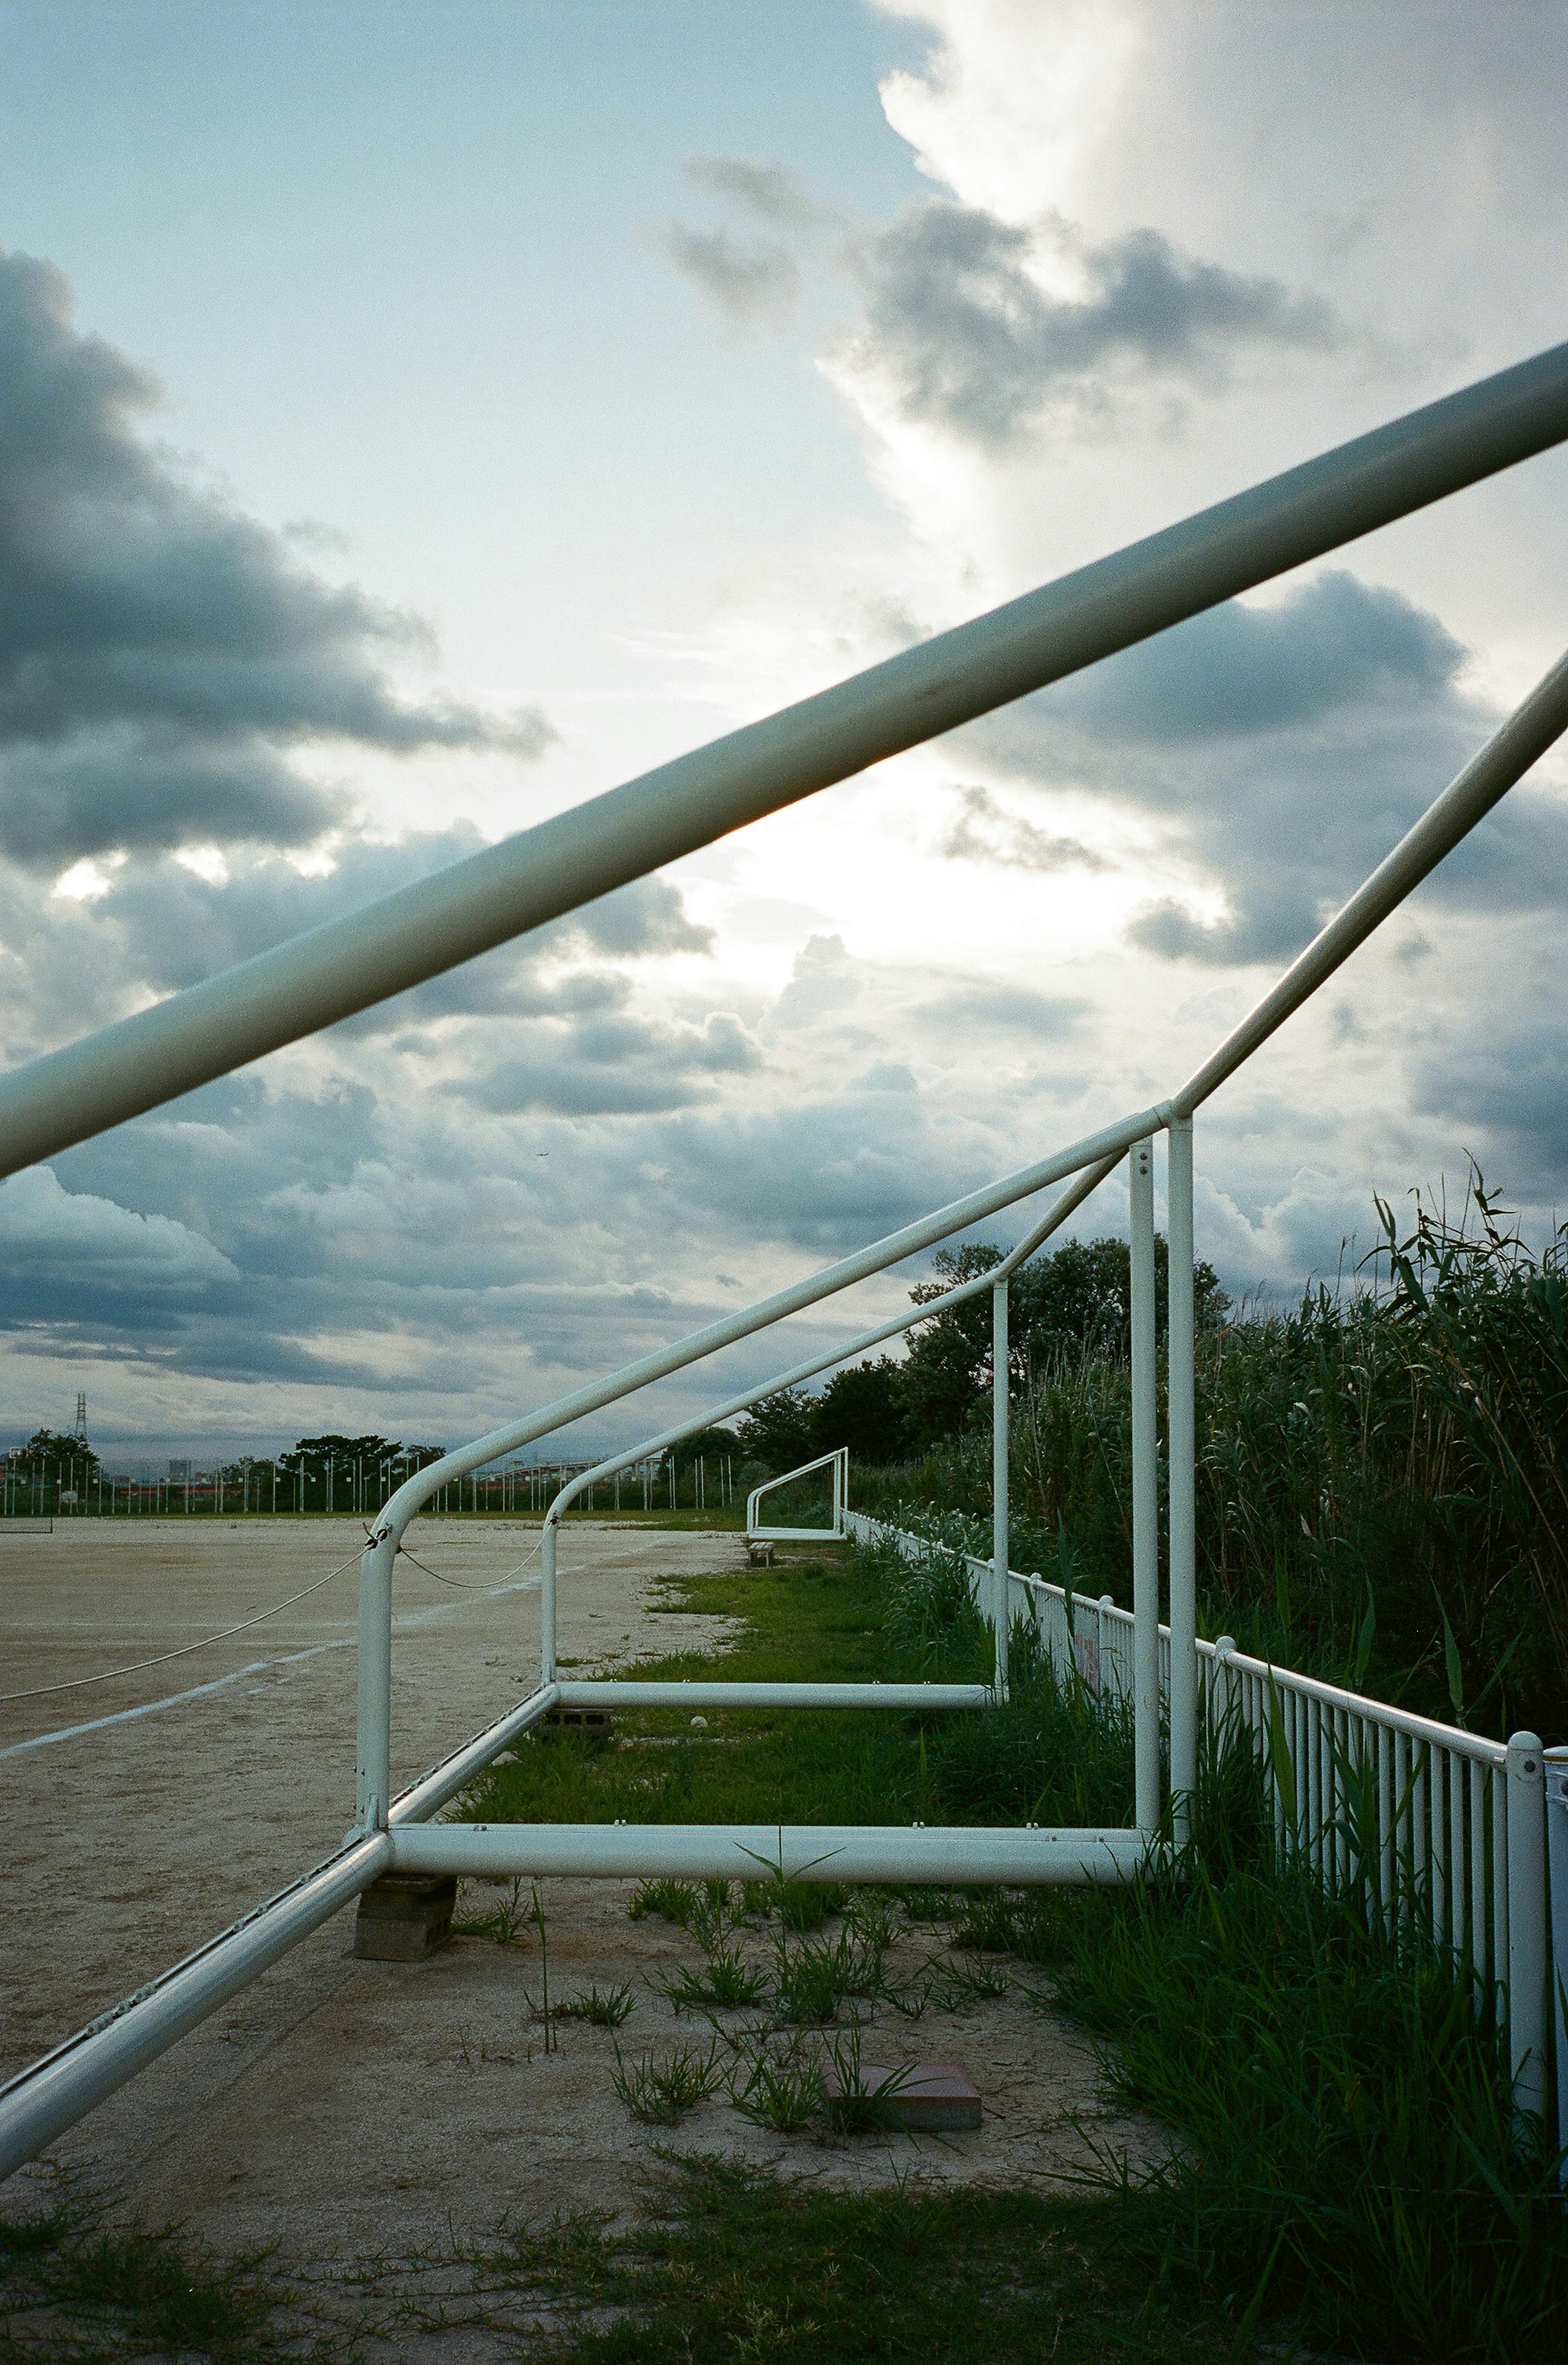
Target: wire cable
42,1691
460,1584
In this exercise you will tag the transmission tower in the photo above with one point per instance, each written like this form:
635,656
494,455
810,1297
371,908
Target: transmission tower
80,1431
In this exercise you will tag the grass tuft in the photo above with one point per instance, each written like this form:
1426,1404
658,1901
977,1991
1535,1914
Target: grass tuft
662,2092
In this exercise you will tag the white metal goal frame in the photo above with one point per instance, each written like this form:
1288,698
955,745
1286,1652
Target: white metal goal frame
348,965
838,1463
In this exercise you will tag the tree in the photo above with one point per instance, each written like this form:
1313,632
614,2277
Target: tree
314,1456
47,1449
862,1407
778,1432
707,1445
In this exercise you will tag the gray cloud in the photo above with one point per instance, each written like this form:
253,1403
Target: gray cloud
986,832
610,1066
770,191
753,284
161,926
970,341
1011,1009
158,650
1501,1082
1285,749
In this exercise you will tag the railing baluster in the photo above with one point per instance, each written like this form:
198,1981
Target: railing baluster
1457,1926
1417,1841
1387,1846
1500,1881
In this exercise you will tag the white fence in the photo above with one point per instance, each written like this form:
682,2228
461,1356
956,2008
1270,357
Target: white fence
1440,1828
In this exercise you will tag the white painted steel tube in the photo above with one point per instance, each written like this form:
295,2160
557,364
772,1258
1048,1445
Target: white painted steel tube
1145,1494
503,891
45,2099
66,2084
547,1596
1000,1607
771,1486
611,1691
1556,1810
1526,1924
1067,1203
1093,1152
852,1852
1507,755
1182,1457
373,1730
445,1779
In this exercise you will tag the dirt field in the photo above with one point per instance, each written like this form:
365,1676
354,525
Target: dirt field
340,2108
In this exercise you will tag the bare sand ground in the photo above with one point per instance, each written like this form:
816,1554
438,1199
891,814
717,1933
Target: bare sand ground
339,2109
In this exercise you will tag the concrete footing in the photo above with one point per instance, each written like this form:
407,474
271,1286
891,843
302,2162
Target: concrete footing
404,1918
594,1724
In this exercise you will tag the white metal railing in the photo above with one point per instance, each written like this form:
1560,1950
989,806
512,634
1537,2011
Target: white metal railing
1440,1828
838,1463
153,1056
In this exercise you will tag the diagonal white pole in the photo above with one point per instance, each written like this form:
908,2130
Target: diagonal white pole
1000,1539
311,982
1182,1425
1145,1496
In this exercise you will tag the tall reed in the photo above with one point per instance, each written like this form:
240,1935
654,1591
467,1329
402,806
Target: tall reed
1383,1474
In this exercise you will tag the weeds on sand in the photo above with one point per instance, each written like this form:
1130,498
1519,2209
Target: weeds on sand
781,2093
662,2092
604,2007
727,1982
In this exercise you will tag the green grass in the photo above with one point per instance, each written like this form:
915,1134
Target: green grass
1382,1473
1343,2179
75,2290
727,2263
1343,2169
822,1617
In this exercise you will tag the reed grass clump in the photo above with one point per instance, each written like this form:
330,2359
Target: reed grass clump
1383,1474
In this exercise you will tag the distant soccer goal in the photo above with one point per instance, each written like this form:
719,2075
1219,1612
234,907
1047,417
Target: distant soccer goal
838,1464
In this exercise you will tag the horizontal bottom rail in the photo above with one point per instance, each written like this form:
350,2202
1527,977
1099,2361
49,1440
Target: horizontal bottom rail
41,2101
607,1693
445,1781
950,1855
71,2081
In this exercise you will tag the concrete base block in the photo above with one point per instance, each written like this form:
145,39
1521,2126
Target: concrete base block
932,2098
405,1918
594,1724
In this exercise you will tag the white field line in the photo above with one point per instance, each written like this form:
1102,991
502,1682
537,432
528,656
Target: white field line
413,1618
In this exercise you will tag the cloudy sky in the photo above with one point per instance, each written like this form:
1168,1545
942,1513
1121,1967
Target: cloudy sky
415,419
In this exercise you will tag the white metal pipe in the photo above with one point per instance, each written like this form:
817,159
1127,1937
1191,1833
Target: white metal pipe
547,1596
453,1772
1092,1151
1507,755
373,1746
762,1851
51,2096
1146,1493
1556,1813
611,1691
1180,1348
1526,1924
802,1470
1068,1202
1001,1609
565,862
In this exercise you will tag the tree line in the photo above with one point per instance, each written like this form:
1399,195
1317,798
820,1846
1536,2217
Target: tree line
1066,1307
